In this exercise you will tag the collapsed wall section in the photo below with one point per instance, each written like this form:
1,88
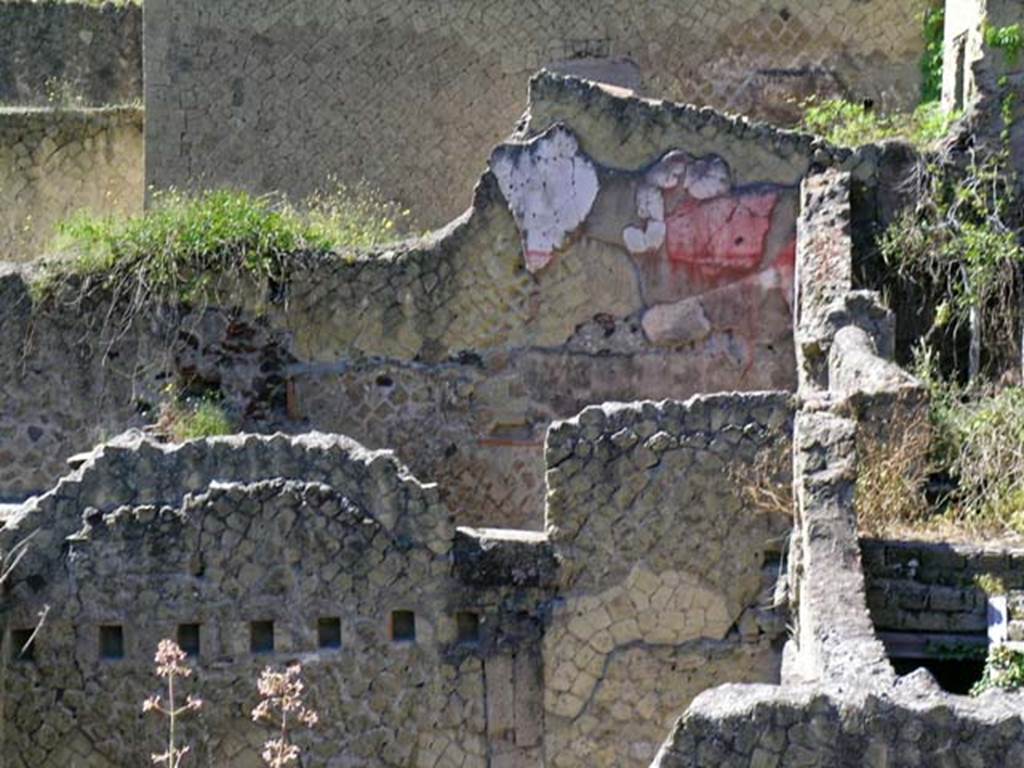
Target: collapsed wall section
840,702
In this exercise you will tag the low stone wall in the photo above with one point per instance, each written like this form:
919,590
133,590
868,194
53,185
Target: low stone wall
741,726
316,540
55,162
653,581
69,54
918,586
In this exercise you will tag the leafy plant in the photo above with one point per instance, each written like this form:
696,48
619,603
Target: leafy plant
931,58
961,241
1008,39
989,584
1004,669
851,124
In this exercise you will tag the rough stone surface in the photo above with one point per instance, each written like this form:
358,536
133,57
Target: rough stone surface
275,73
920,586
663,566
224,532
450,349
54,162
70,54
840,702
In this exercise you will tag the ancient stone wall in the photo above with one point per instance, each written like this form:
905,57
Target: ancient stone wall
70,55
413,98
934,587
667,569
54,162
515,648
317,536
664,273
840,702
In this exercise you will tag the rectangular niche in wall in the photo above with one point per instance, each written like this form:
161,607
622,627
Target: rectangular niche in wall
188,639
403,627
467,628
261,637
23,646
111,642
328,631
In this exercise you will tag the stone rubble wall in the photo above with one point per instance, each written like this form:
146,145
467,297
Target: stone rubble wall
666,577
840,702
70,55
984,81
275,73
459,350
55,162
739,726
232,530
653,581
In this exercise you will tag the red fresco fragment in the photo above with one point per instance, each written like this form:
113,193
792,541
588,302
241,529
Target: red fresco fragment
721,236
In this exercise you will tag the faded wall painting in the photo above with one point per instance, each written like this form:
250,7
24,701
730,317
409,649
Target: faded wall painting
707,252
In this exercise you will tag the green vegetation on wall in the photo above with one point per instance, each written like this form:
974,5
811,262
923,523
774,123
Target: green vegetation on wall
1008,39
931,59
847,124
184,244
1004,670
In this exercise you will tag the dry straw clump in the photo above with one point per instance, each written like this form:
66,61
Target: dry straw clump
892,474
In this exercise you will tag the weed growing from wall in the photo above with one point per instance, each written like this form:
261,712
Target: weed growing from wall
891,478
849,124
192,418
180,247
1004,670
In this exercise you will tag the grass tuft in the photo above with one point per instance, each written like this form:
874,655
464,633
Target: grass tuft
179,247
194,419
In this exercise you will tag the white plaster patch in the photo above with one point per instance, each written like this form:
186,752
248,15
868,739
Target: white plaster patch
550,187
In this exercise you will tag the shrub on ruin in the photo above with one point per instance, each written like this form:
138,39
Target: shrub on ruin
892,475
852,124
193,418
1004,670
960,243
981,441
